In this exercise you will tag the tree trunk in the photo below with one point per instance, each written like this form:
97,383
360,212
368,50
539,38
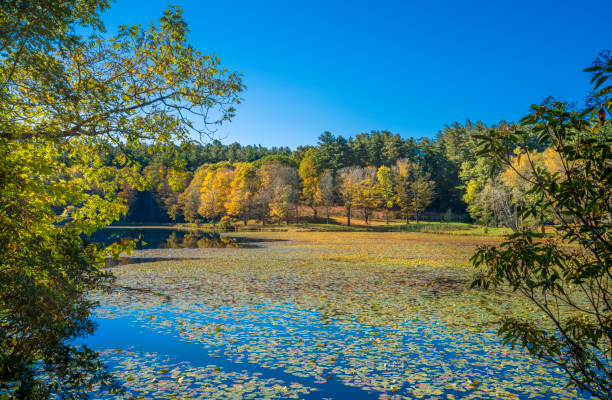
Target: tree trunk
387,216
297,214
327,213
366,215
348,216
314,211
245,221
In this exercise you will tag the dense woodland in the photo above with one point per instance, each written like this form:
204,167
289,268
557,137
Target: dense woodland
378,171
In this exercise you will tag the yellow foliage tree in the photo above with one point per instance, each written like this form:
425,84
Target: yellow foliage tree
214,193
387,189
189,200
326,193
278,191
518,177
348,185
415,190
310,183
242,190
368,195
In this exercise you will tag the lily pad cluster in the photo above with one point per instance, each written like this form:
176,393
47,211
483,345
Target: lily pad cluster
391,315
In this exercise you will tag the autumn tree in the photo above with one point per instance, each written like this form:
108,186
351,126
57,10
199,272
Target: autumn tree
190,199
309,179
477,206
368,195
476,174
498,198
404,172
214,193
240,201
349,180
325,193
387,189
279,190
69,92
414,188
520,190
285,193
266,175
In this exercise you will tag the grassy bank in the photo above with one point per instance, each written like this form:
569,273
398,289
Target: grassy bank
452,228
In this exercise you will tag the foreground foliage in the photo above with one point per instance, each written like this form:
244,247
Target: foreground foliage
570,280
65,100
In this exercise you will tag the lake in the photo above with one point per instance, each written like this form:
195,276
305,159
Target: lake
313,315
163,238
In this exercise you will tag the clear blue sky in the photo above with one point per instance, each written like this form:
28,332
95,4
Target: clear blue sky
409,67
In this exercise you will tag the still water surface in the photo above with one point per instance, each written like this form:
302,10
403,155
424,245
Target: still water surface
168,347
161,238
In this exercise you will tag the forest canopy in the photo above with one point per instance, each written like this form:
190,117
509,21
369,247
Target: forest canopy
443,177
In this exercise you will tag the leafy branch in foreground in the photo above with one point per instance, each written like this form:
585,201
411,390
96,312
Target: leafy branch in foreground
64,101
569,276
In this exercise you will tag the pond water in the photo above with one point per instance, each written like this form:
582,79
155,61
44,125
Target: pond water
313,317
162,238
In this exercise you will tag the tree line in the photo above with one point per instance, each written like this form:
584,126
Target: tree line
273,191
376,171
318,176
